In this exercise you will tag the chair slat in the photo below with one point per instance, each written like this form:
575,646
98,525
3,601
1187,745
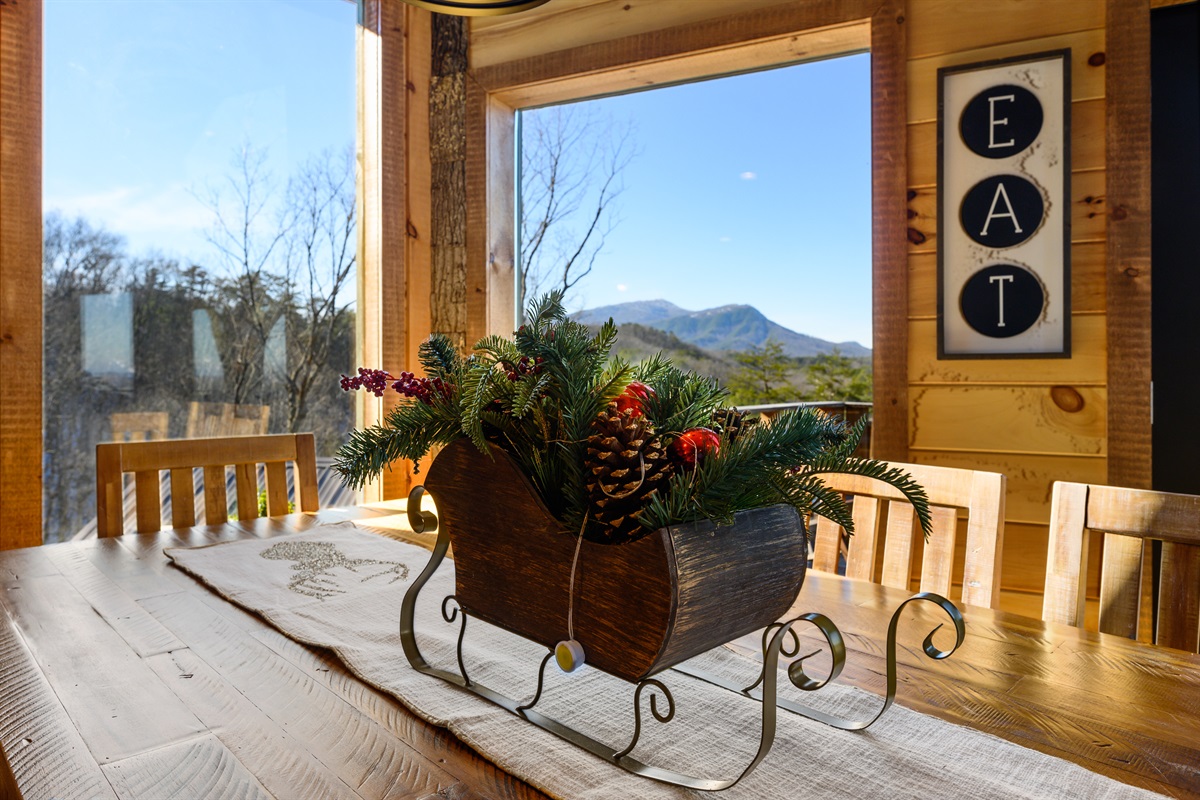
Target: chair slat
1120,584
183,498
1179,597
216,503
898,545
825,550
938,561
110,491
246,476
148,501
277,493
1066,563
985,540
860,561
306,472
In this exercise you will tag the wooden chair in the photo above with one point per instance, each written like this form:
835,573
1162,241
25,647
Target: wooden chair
181,456
980,494
226,419
1129,519
139,426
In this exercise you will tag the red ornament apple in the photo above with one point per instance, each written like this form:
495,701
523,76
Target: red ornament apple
633,398
694,444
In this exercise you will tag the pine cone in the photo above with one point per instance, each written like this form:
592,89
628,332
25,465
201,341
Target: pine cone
625,466
730,422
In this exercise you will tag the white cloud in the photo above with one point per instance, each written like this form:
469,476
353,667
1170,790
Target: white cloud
748,176
724,239
622,287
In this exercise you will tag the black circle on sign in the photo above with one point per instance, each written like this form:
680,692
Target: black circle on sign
1002,211
1002,300
1001,121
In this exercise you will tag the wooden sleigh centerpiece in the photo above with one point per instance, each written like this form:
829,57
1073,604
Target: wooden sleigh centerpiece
641,609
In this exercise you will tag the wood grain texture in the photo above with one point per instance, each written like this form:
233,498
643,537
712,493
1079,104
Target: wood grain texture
1038,684
949,26
200,767
1127,132
1179,597
889,270
47,755
21,274
127,712
1087,71
1058,419
382,326
639,607
372,760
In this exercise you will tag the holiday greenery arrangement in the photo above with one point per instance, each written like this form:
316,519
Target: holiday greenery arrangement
615,451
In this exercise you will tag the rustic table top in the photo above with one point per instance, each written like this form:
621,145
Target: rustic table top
99,698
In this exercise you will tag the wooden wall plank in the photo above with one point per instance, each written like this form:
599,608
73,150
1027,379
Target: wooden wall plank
1042,419
1030,477
1088,219
1088,280
1127,126
21,274
1087,67
1087,143
418,47
1086,366
949,26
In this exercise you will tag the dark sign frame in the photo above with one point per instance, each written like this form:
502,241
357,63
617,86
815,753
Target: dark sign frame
944,225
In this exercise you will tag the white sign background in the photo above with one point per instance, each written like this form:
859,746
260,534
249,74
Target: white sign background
1046,252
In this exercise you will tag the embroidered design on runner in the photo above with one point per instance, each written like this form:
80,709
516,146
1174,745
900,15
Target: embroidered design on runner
315,562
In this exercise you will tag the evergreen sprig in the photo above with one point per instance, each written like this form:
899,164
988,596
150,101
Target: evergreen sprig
538,395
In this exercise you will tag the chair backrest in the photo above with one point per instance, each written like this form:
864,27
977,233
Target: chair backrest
226,419
980,494
181,456
1129,519
139,426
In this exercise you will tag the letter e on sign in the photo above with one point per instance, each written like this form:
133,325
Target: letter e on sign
1001,121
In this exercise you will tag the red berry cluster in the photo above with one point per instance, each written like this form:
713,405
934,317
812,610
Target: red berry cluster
376,381
524,367
373,380
422,388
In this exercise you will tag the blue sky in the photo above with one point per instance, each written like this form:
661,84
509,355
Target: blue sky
145,102
750,189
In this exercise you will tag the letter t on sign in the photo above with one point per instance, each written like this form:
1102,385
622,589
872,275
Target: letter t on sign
1000,280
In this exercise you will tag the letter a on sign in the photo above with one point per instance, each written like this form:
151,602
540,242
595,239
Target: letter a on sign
1001,195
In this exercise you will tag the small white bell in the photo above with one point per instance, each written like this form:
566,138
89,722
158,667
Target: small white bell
569,655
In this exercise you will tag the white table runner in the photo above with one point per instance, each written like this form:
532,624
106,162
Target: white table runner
340,588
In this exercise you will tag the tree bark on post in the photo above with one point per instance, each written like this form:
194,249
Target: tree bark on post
448,158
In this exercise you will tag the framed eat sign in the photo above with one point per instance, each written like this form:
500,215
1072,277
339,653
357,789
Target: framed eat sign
1004,276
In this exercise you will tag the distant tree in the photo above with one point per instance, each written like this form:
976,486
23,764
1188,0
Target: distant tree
762,376
833,376
572,160
287,259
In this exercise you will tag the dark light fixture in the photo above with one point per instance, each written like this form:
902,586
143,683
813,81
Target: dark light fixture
476,8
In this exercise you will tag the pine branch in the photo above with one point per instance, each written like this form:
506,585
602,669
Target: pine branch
880,471
408,432
439,357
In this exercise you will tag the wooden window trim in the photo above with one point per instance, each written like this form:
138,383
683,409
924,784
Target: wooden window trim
21,274
774,35
1127,185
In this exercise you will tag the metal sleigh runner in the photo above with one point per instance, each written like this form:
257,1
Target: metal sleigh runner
650,605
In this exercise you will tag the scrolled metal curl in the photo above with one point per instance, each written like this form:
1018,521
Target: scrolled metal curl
451,615
791,648
637,712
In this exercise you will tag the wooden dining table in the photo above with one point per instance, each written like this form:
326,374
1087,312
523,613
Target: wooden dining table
101,699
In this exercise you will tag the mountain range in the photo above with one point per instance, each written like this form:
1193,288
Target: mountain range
731,327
